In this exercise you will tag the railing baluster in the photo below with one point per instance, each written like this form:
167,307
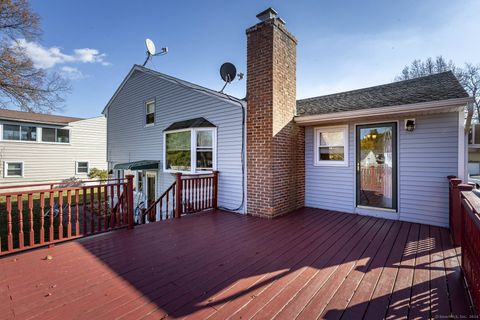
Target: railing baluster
77,222
161,209
52,211
84,210
203,193
31,232
174,202
99,207
106,213
60,215
21,237
9,224
69,214
112,206
42,217
92,211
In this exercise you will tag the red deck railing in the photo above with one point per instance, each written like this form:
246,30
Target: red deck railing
186,195
465,229
36,215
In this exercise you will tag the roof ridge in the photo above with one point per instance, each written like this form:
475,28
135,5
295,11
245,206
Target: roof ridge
378,86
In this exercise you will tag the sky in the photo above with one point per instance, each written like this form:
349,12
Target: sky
342,45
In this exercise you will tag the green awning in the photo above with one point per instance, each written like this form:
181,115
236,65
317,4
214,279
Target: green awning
138,165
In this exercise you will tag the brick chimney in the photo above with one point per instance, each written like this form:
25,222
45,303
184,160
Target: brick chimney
275,144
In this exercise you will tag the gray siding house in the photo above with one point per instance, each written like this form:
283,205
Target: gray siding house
38,148
149,107
384,151
412,184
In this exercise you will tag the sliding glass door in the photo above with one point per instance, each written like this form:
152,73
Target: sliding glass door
377,165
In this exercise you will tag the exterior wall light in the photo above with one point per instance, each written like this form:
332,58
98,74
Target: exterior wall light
409,125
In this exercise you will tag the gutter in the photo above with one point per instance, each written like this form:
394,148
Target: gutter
390,110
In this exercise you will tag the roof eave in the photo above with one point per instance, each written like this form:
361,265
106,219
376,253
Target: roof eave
381,111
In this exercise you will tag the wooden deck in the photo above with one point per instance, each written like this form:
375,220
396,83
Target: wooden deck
310,264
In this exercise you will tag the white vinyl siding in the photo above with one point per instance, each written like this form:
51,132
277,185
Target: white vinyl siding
56,161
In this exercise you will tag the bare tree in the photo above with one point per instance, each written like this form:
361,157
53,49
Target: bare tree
468,76
21,83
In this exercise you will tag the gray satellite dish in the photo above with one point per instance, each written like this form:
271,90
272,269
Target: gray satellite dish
228,72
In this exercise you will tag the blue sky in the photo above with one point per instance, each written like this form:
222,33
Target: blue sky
342,45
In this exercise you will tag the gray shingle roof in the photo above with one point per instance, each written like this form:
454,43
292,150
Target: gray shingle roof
7,114
440,86
191,123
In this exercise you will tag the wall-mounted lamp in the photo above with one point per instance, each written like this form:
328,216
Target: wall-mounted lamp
409,125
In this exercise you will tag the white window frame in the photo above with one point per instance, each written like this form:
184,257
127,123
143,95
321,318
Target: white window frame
154,112
193,150
5,169
20,127
338,163
82,173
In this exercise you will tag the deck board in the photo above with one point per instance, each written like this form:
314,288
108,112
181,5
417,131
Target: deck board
309,264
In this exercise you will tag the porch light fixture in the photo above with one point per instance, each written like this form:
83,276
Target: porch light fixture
409,125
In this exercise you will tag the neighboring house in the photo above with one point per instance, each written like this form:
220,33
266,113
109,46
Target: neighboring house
383,151
48,148
474,152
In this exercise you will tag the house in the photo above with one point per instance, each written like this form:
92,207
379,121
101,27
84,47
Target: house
49,148
383,151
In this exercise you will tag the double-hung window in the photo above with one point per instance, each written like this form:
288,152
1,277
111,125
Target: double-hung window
81,167
150,113
190,150
331,146
13,169
19,132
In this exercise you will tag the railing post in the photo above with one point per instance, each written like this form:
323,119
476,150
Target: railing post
215,190
455,213
178,195
130,200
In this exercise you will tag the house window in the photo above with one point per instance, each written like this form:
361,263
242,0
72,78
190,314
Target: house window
204,150
191,150
63,135
140,181
150,112
82,167
178,151
13,169
48,134
19,133
331,146
55,135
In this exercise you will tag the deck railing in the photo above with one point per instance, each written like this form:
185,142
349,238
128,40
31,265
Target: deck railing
36,215
465,229
186,195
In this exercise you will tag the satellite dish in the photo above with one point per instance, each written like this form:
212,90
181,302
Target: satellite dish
228,72
150,47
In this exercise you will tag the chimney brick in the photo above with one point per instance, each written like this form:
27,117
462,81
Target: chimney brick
275,144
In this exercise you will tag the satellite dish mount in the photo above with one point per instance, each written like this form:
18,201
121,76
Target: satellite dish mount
152,51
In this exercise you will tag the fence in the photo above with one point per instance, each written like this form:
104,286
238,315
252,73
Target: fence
187,194
465,229
36,215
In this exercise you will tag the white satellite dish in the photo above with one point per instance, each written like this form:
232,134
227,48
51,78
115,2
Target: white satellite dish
150,47
152,51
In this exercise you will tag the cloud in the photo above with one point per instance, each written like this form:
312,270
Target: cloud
47,58
71,73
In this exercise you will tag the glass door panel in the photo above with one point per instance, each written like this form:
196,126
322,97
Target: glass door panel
377,165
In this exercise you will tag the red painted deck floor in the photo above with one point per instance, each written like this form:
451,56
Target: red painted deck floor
311,264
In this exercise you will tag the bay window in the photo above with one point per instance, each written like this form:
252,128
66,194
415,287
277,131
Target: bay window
190,150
